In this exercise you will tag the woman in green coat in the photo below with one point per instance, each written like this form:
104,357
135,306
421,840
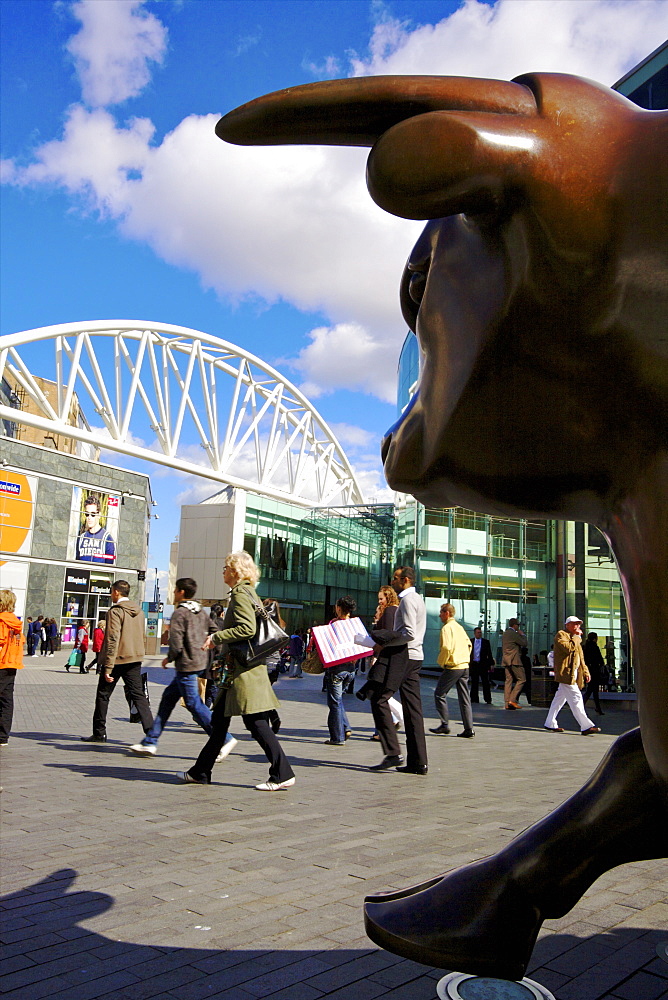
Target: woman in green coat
250,694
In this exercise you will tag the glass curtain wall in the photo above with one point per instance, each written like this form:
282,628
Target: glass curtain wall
592,590
310,558
490,568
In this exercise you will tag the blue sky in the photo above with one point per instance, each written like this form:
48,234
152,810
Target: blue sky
119,202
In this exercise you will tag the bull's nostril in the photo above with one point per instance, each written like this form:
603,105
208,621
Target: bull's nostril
385,446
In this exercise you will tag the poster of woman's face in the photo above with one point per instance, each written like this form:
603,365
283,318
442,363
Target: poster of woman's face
93,526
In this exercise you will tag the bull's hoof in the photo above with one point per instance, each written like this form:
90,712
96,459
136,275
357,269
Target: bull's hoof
475,919
410,890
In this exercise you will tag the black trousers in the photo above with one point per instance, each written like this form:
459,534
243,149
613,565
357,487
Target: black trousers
259,726
382,717
479,674
130,674
592,689
7,678
409,689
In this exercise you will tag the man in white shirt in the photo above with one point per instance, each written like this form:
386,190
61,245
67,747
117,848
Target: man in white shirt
453,657
410,625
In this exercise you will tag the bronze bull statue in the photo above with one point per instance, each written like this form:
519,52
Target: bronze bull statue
539,295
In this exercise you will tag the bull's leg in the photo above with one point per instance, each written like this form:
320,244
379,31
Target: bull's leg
484,918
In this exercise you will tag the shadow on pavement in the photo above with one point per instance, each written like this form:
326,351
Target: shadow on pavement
47,953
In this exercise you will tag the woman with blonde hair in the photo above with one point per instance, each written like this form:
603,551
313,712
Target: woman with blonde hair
11,660
384,679
248,692
388,602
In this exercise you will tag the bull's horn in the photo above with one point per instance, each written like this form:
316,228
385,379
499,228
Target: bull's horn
355,112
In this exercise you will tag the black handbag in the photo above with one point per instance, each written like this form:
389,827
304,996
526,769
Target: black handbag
269,637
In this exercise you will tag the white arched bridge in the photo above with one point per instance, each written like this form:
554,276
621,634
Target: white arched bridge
180,398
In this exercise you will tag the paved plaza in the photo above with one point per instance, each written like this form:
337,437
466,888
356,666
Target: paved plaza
121,882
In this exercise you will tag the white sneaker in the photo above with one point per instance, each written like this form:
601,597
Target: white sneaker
144,749
227,748
274,786
188,778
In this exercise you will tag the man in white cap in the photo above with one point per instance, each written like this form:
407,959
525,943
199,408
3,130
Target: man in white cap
571,672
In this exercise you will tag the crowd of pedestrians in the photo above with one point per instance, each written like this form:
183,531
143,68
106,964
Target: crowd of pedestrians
216,683
42,636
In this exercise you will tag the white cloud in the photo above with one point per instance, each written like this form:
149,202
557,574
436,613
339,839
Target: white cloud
600,39
347,356
296,223
373,486
352,437
163,584
112,51
196,490
103,435
287,223
95,159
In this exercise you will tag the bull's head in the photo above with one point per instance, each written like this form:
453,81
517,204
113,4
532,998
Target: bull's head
538,290
539,295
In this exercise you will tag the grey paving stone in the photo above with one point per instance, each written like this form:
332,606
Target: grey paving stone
286,976
396,975
167,892
115,985
658,967
175,978
36,942
350,972
15,964
580,958
642,986
297,991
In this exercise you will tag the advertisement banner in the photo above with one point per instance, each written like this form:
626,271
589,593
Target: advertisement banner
17,511
18,493
77,580
94,521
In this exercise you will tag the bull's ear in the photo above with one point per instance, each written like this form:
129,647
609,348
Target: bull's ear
444,163
356,112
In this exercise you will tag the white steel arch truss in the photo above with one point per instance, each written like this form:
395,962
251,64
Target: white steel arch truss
192,393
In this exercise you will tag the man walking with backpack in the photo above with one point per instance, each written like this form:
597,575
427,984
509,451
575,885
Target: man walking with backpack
188,631
121,655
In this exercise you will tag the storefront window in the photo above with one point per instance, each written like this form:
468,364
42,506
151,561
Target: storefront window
606,615
87,596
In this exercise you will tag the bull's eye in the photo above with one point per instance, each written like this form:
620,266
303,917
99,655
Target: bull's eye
416,286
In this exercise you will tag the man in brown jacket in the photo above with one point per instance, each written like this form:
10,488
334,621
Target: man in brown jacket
513,641
120,657
571,672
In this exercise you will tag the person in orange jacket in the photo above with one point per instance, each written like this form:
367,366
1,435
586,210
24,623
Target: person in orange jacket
11,660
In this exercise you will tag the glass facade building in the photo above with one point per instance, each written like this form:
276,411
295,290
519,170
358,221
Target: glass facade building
308,557
490,568
308,561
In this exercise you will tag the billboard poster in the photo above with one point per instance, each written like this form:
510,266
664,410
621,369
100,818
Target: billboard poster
94,522
17,511
18,493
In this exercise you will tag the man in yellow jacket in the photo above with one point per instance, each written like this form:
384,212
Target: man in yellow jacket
454,657
571,672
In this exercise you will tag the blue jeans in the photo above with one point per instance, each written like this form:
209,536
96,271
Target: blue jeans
337,720
181,686
295,666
